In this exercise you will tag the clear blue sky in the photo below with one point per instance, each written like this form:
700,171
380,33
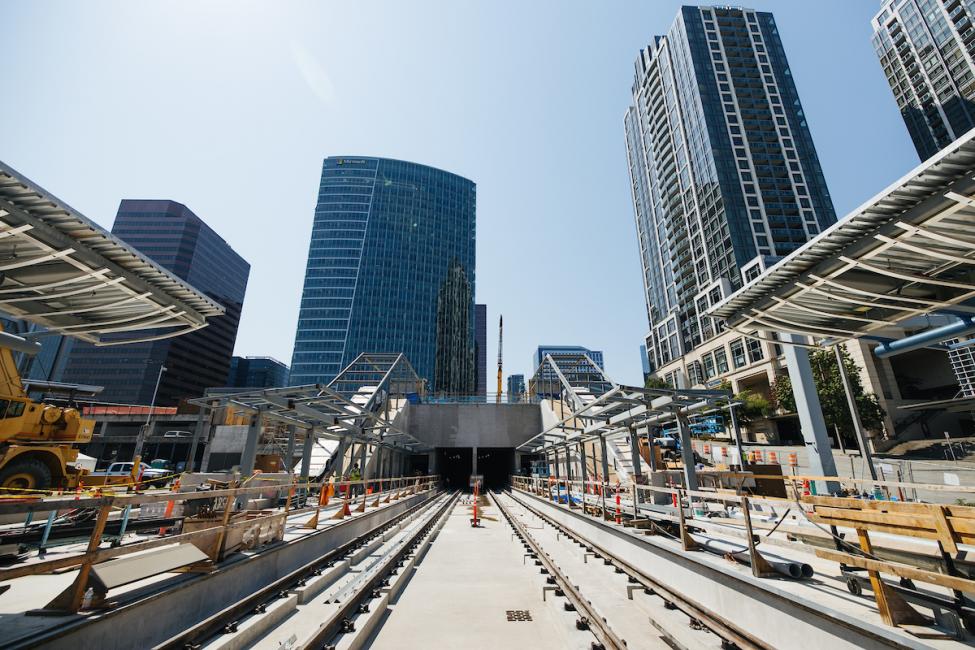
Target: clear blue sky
229,107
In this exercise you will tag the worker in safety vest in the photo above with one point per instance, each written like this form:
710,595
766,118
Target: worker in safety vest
355,475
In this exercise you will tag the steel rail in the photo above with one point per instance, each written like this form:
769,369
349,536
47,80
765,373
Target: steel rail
227,617
730,635
342,620
592,621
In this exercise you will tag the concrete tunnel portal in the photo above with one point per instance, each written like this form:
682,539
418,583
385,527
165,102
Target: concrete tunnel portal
468,439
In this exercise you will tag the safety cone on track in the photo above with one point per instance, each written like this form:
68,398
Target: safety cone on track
805,488
344,511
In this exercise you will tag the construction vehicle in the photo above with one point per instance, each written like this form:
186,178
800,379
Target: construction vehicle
38,442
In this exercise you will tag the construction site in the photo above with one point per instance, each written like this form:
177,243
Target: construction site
365,513
369,511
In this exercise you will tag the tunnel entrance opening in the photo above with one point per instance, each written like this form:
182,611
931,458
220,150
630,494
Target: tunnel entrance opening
495,464
419,465
456,464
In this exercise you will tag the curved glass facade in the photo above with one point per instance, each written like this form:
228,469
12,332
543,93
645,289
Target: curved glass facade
390,269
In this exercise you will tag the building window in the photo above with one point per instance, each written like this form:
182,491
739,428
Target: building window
738,353
721,360
755,353
708,365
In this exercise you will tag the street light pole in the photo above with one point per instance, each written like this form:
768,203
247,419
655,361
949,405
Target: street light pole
144,432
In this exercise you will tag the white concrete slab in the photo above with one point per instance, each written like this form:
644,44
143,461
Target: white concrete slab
461,592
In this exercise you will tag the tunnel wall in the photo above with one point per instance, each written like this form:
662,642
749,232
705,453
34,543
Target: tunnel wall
473,425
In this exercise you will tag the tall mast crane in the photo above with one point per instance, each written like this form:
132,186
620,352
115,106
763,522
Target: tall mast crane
500,340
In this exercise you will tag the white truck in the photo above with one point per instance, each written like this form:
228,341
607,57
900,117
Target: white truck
127,472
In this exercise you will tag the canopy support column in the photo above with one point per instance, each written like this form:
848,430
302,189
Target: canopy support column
810,411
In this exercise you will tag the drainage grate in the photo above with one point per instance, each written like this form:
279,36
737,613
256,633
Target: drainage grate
519,615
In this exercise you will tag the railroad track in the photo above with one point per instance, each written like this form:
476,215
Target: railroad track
589,618
259,614
680,623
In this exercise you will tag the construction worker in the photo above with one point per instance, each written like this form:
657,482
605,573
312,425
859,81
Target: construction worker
355,475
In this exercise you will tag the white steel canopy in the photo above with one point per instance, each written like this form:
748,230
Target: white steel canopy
60,270
360,403
909,251
598,406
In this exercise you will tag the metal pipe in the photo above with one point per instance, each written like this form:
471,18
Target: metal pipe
788,568
964,325
854,414
19,344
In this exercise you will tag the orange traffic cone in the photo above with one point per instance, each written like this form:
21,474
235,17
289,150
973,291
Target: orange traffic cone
344,511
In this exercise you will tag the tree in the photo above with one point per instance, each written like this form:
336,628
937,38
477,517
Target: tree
655,382
832,396
752,406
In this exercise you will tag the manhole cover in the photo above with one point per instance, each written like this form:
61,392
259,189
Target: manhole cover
519,615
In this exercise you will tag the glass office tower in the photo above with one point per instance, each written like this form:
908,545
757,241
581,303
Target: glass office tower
170,234
257,372
927,48
390,269
724,175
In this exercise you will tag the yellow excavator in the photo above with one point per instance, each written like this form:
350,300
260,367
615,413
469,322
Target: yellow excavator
37,441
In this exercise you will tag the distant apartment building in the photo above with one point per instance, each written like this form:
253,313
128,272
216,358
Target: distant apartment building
725,181
390,269
257,372
174,237
480,349
927,51
543,350
516,387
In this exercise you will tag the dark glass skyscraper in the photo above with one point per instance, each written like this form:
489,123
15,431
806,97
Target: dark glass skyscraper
480,348
724,174
171,235
390,269
927,49
257,372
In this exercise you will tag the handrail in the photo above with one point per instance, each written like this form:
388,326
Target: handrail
400,485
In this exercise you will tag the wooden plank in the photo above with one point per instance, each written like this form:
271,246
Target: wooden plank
961,512
933,487
945,535
925,522
876,583
881,528
868,504
899,570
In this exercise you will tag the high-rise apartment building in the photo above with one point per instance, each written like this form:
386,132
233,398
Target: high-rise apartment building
257,372
927,50
480,348
171,235
725,180
390,269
